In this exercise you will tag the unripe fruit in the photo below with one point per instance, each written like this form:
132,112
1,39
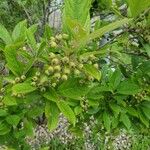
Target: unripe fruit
96,66
54,84
43,89
34,78
66,71
2,90
90,62
65,36
80,66
47,72
65,60
52,55
23,77
82,59
77,72
17,79
50,69
19,95
72,64
59,37
38,74
55,61
14,94
139,24
13,82
52,38
92,57
33,83
90,78
57,75
57,68
64,77
53,44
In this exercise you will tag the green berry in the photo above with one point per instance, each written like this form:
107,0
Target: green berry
53,44
65,36
72,64
50,69
23,77
77,72
47,72
59,37
17,79
57,75
55,61
2,90
64,77
1,97
19,95
96,66
34,78
90,78
54,84
33,83
52,55
57,68
66,71
65,60
43,89
80,66
52,38
38,74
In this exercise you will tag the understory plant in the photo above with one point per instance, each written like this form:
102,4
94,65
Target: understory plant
70,73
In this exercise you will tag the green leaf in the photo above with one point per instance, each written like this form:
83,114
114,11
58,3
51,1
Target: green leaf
91,70
132,111
116,108
3,113
73,89
52,115
4,35
115,79
143,119
47,32
28,127
51,95
13,120
23,88
127,87
10,100
67,111
125,120
146,112
19,31
35,111
106,120
136,7
4,128
100,32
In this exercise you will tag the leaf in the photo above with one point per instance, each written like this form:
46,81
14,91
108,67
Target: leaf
91,70
35,111
19,31
116,108
67,111
106,120
23,88
51,95
10,100
28,127
13,64
115,79
4,128
143,119
137,7
127,87
48,32
4,35
98,33
132,111
52,115
125,120
146,112
3,113
13,120
73,89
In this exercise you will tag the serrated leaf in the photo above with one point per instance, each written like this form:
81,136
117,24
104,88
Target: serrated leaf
73,89
127,87
4,35
13,120
125,120
51,95
91,70
23,88
106,120
67,111
52,115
